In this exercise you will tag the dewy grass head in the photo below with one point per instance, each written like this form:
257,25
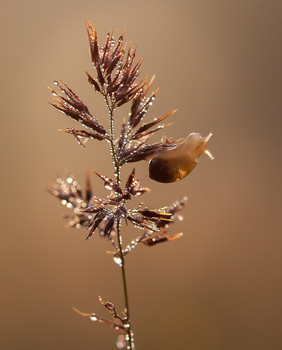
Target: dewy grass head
117,82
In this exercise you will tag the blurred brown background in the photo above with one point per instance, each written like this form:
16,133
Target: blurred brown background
217,288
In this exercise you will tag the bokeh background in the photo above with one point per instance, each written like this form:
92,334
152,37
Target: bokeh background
217,288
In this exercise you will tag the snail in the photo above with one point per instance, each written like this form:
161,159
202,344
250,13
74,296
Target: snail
174,164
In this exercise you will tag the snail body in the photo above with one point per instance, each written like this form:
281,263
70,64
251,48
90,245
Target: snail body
173,165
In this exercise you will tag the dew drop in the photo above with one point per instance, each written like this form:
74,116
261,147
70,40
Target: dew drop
117,260
69,180
93,318
121,343
64,202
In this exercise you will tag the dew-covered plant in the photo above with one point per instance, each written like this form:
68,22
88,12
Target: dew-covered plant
117,82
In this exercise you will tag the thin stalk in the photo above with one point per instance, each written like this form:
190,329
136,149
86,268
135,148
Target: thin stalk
128,330
119,237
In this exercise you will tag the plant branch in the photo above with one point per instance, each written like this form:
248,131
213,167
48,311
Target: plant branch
119,236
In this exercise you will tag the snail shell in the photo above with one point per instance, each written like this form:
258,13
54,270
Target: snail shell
173,165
